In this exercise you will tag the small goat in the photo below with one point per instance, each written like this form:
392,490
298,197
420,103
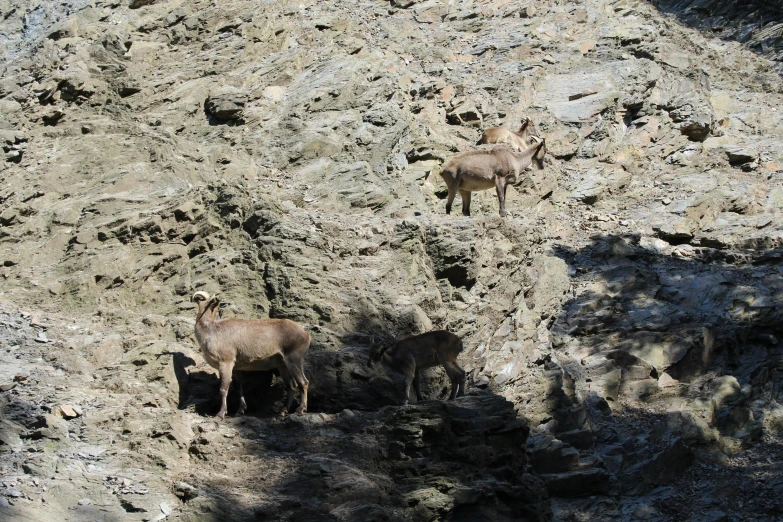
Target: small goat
408,356
518,141
251,345
481,170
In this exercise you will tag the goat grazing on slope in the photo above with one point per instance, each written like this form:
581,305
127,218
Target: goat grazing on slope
411,354
516,140
481,170
251,345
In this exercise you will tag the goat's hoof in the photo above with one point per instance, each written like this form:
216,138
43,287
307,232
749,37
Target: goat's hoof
220,416
240,413
301,410
282,413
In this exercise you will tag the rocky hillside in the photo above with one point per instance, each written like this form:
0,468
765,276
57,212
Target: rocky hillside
621,325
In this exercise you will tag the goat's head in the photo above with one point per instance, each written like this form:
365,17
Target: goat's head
538,155
377,349
200,296
205,303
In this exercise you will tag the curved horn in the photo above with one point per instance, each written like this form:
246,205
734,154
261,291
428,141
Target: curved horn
200,296
537,140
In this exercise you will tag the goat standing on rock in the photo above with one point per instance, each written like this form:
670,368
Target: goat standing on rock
516,140
408,356
251,345
482,170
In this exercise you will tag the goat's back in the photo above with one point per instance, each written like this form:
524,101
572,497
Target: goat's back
252,335
494,135
481,163
439,340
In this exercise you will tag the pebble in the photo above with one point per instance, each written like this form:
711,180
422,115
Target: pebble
85,502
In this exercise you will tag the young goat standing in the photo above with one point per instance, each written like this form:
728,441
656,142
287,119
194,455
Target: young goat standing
408,356
516,140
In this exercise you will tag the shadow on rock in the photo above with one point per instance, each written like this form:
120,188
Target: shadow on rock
755,24
457,460
664,356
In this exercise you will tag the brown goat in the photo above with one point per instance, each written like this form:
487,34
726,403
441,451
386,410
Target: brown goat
518,140
242,345
411,354
481,170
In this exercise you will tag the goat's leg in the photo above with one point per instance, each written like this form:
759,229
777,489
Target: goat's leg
500,188
465,194
450,199
295,368
457,378
289,386
461,391
409,376
240,377
225,370
417,386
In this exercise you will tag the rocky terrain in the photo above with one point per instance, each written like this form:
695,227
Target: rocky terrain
621,326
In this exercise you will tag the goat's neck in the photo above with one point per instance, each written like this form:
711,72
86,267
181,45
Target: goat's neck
202,308
389,360
523,159
205,319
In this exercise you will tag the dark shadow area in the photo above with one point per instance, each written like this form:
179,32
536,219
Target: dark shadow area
666,357
757,24
434,460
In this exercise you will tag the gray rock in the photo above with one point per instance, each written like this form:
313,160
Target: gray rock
549,455
577,483
227,103
599,184
687,104
577,98
741,155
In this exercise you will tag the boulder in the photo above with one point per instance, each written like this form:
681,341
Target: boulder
226,103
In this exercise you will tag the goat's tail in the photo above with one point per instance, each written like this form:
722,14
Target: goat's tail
429,172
